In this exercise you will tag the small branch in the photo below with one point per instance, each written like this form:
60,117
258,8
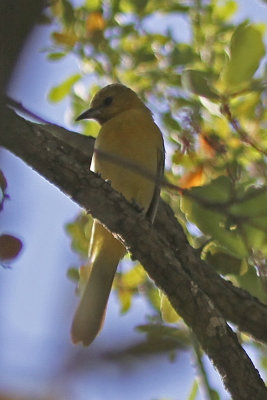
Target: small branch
225,109
20,107
202,371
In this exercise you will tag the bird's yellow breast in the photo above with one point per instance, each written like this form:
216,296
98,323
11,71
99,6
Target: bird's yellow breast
134,137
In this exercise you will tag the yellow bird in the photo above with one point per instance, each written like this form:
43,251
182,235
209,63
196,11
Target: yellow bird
129,135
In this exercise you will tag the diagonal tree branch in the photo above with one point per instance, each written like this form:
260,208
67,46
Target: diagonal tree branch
163,249
235,304
62,148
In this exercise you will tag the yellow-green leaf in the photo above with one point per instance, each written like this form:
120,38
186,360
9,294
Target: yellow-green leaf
79,233
56,56
251,282
63,89
207,207
73,274
198,83
133,278
255,238
216,192
222,261
214,223
254,204
246,52
125,299
194,390
92,5
226,10
168,313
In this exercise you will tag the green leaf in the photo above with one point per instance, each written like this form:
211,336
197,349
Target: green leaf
183,54
253,204
144,56
140,5
214,224
68,13
256,238
125,298
246,52
93,5
247,108
214,394
230,216
62,90
171,122
127,284
134,277
216,192
128,6
260,222
56,56
226,10
264,362
251,282
158,339
251,212
164,338
207,207
90,128
168,313
73,274
79,231
213,108
223,262
194,390
153,297
198,83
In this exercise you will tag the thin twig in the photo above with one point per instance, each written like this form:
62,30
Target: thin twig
225,109
201,369
20,107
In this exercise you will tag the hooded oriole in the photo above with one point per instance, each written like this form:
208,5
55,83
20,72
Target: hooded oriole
128,132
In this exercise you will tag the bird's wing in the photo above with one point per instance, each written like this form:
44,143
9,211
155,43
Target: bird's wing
152,210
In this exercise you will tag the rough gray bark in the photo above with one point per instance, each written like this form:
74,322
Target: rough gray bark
198,294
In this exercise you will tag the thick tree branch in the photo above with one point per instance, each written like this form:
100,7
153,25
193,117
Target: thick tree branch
163,249
26,139
235,304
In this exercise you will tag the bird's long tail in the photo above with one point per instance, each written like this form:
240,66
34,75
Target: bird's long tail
90,313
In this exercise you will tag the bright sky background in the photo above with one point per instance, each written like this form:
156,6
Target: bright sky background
37,301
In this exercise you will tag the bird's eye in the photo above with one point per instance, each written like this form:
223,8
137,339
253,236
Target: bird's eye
108,101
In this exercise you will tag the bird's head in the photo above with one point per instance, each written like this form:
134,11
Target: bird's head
111,101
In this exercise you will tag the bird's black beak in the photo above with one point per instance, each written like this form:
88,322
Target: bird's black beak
92,113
